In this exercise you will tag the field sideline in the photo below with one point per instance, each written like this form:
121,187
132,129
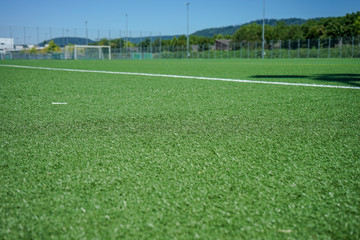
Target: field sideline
157,157
180,76
313,71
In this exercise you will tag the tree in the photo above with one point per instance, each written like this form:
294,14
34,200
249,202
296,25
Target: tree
294,32
166,42
349,26
174,42
182,40
332,27
199,40
316,31
357,26
220,36
51,48
117,43
33,51
103,42
251,32
270,33
129,44
156,43
280,30
145,43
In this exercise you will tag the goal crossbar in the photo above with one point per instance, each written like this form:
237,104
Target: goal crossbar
91,46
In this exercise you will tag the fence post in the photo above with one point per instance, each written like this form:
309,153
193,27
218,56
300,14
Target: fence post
272,46
329,47
289,41
215,51
352,47
298,48
341,47
209,50
255,49
308,48
203,51
280,49
221,51
234,49
318,52
160,46
248,50
228,50
241,49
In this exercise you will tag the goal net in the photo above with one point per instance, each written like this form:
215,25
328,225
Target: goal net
87,52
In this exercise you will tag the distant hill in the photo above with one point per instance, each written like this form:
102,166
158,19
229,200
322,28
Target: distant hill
209,32
63,41
137,40
230,30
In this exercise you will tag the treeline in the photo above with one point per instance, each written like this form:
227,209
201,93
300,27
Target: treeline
51,47
331,27
230,30
157,41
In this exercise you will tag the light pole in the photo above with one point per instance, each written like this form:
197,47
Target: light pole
187,39
86,33
126,44
263,32
126,16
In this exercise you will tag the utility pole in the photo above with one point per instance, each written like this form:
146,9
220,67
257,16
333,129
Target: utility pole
187,39
263,32
86,29
126,16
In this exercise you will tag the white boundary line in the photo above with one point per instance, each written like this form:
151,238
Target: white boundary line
186,77
59,103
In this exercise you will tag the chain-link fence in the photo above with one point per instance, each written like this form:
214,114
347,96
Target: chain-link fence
342,47
151,45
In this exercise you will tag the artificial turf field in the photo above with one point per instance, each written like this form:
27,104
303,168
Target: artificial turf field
142,157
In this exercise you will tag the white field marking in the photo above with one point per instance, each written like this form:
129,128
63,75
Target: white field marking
186,77
58,103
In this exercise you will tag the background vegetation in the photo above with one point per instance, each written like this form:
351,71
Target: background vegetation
291,29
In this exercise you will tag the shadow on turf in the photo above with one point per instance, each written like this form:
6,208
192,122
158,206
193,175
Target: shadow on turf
351,79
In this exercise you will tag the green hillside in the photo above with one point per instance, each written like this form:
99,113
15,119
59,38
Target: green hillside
63,41
230,30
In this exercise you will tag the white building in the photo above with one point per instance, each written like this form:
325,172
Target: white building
6,44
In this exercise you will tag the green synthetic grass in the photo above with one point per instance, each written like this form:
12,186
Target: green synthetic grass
134,157
316,71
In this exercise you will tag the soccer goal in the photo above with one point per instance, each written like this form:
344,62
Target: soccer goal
87,52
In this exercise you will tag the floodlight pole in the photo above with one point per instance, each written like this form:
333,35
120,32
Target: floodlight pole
24,35
126,28
127,34
187,39
263,33
86,33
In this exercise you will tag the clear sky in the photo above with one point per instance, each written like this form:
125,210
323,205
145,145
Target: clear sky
167,17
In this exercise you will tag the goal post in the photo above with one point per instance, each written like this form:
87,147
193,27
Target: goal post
87,52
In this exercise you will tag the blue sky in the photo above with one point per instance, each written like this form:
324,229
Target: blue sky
161,16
